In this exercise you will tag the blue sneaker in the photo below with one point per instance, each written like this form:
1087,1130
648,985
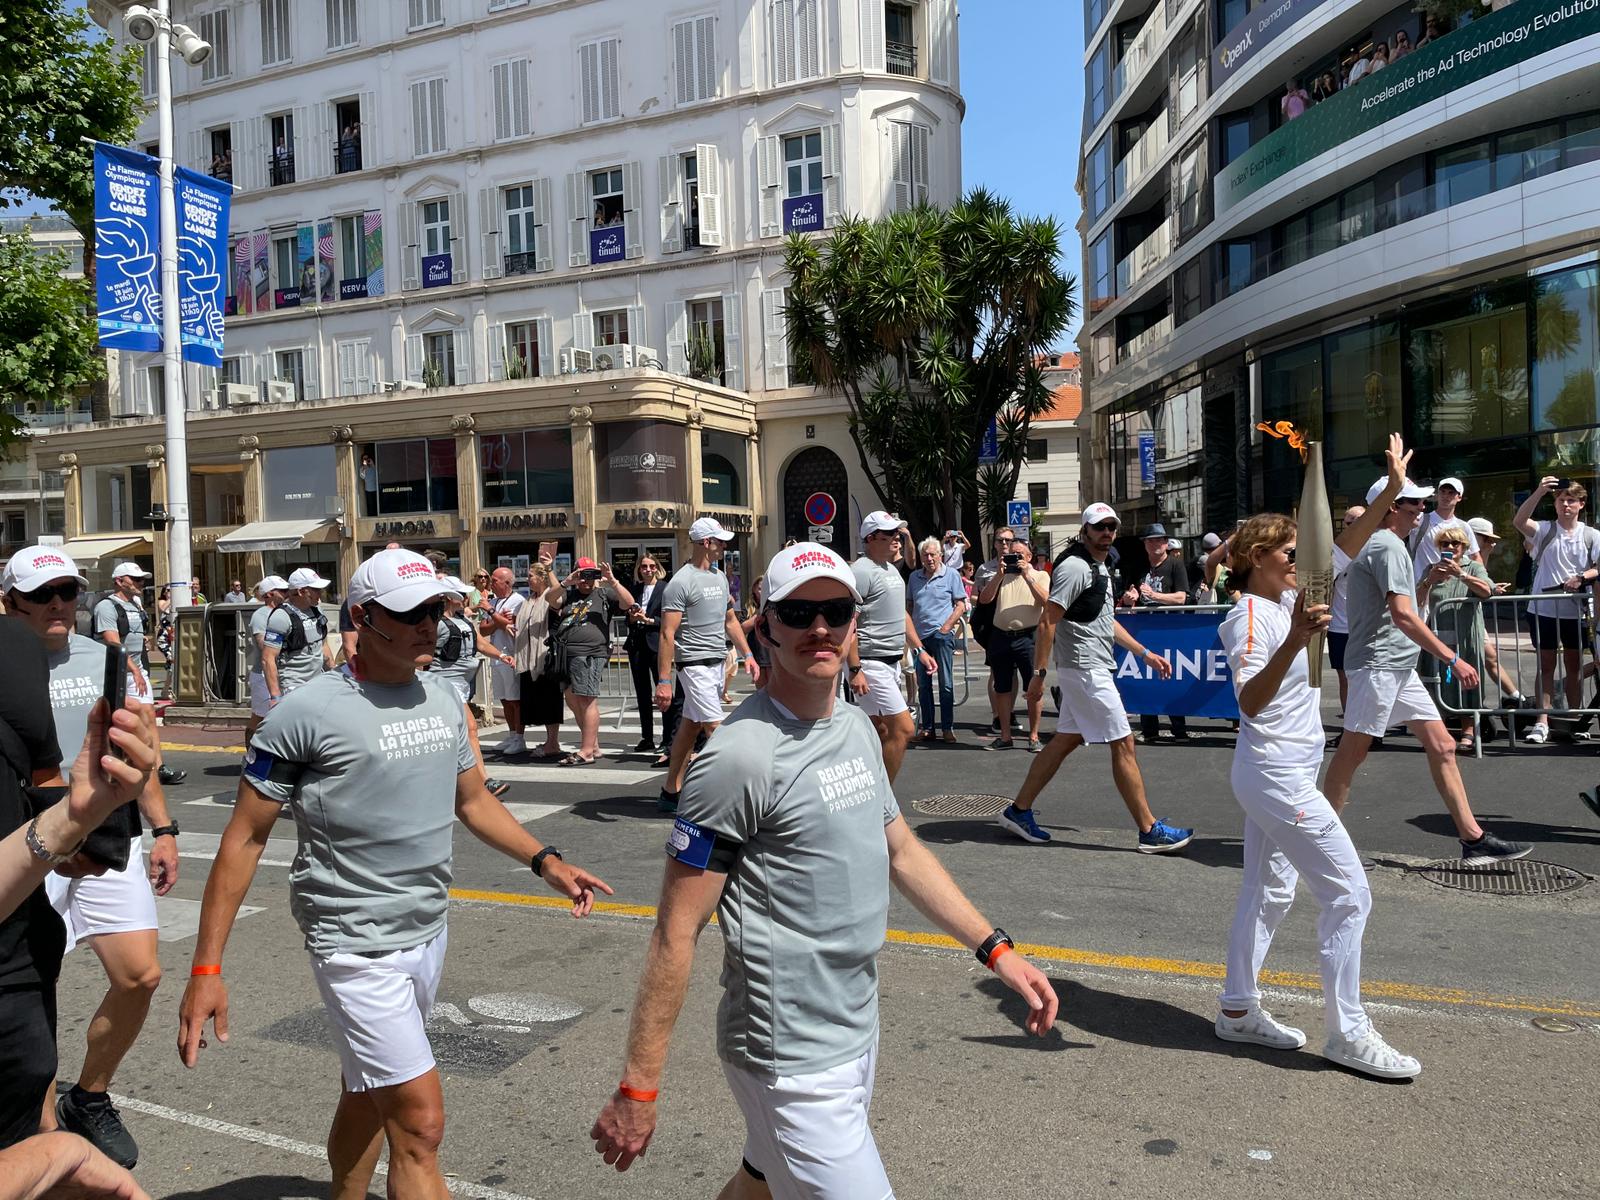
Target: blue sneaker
1020,822
1164,839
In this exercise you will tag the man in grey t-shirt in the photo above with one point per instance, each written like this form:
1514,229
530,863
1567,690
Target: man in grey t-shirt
1079,622
788,830
294,645
271,591
375,764
697,623
1386,633
119,620
883,627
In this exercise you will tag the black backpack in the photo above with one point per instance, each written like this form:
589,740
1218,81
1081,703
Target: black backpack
297,640
1091,601
124,626
457,644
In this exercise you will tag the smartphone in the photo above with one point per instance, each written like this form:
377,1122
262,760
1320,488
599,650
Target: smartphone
589,573
547,548
1562,485
1447,555
115,687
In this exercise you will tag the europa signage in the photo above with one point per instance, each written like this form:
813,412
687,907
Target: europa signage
646,518
607,244
513,521
1250,36
1459,59
422,528
802,214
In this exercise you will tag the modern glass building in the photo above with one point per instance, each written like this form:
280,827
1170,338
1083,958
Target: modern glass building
1351,216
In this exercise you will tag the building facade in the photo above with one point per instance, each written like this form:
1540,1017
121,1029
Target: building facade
1352,216
461,216
1049,478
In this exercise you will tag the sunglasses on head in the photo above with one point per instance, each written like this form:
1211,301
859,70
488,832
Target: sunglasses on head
428,610
66,590
1113,526
802,614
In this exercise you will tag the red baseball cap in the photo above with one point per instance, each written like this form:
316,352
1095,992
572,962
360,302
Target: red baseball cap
587,564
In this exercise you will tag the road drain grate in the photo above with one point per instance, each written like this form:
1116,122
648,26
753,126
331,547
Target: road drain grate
1525,877
962,806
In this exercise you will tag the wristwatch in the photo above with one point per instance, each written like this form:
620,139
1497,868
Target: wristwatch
42,852
996,939
538,859
168,830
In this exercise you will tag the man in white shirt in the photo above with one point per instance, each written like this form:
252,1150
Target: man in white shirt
1424,548
500,627
956,546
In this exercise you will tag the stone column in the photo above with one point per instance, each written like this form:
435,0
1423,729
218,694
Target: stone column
347,477
584,500
254,496
694,501
155,455
761,548
71,496
469,490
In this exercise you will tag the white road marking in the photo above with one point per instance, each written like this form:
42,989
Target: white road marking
553,773
524,811
180,919
524,1006
279,852
261,1137
220,800
445,1011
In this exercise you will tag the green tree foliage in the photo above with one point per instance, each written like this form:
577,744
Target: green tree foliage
47,331
928,322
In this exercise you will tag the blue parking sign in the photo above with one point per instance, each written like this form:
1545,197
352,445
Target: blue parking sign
1019,514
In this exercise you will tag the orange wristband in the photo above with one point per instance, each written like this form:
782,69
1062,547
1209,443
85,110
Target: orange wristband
638,1094
994,955
213,969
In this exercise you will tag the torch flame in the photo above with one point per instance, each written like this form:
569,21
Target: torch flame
1285,431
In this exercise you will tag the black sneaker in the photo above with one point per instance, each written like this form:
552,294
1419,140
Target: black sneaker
96,1119
171,778
1490,849
667,802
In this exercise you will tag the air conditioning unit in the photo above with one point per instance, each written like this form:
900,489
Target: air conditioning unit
278,391
624,357
238,395
571,361
210,400
407,385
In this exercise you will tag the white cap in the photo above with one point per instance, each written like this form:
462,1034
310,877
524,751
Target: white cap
801,563
1452,481
34,566
1483,527
305,577
455,584
1411,491
129,568
709,527
1098,512
272,583
1211,541
880,522
397,579
1174,544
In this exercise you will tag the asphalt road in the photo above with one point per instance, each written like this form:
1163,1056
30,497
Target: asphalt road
1132,1096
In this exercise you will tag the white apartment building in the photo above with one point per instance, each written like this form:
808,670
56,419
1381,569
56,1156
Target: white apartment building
494,198
1049,476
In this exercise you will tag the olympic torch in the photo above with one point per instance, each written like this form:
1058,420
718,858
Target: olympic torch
1314,551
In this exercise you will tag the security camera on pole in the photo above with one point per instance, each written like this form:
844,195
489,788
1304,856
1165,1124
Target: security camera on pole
143,25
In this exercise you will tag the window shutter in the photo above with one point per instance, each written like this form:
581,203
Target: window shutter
344,358
302,133
500,75
411,250
198,159
636,335
708,168
677,337
611,98
310,374
321,164
941,39
542,332
683,61
419,118
244,152
582,331
463,348
781,17
497,352
732,342
489,230
775,338
521,111
436,105
367,129
460,258
872,36
589,83
671,205
919,163
705,49
543,226
632,197
807,36
769,158
900,164
578,227
832,176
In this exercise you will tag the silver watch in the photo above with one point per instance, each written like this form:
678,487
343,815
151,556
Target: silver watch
42,852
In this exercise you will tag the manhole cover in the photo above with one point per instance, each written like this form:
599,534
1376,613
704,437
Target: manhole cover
962,806
1525,877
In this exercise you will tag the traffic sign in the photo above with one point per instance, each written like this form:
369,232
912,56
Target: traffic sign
1019,514
822,535
820,509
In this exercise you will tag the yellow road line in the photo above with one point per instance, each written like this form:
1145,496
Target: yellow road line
185,748
1414,993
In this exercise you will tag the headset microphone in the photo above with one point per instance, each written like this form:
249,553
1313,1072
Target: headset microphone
366,619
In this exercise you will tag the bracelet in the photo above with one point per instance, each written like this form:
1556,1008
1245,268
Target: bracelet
640,1095
207,969
995,954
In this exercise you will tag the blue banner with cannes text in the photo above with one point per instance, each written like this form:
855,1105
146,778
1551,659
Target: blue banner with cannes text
1201,683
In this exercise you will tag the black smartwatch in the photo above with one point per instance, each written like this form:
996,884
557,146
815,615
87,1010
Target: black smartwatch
538,859
170,830
996,939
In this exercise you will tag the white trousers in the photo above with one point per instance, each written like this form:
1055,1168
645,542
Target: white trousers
1291,832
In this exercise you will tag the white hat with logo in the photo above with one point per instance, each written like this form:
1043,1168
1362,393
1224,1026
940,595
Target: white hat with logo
1410,491
880,522
272,583
1098,512
396,579
1450,481
305,577
709,527
801,563
456,584
34,566
132,569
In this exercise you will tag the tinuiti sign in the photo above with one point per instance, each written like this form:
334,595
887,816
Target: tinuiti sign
1492,43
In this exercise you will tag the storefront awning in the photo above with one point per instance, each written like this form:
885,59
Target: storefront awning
274,535
111,545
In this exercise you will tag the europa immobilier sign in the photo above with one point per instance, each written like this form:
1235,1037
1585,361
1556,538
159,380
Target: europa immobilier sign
1492,43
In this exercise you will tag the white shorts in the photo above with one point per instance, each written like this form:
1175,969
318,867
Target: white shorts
116,902
145,694
884,697
809,1134
1378,699
260,702
507,683
702,693
1091,706
378,1011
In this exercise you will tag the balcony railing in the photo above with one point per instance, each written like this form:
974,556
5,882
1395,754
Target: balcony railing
280,167
900,59
520,263
1139,344
1146,257
346,155
1142,51
1144,155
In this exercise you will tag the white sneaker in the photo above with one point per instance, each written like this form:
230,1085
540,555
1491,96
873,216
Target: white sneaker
513,744
1538,735
1257,1026
1371,1055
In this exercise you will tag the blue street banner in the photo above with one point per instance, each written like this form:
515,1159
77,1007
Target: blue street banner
1147,457
202,209
1201,683
989,448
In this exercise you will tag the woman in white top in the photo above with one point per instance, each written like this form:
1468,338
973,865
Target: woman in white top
1291,831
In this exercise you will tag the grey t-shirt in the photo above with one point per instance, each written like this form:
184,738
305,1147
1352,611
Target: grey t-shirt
702,597
1088,645
258,628
369,772
295,667
105,618
881,622
1382,568
460,632
77,676
806,905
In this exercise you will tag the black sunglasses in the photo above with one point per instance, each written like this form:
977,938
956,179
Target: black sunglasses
802,614
67,590
1104,525
1288,555
430,610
